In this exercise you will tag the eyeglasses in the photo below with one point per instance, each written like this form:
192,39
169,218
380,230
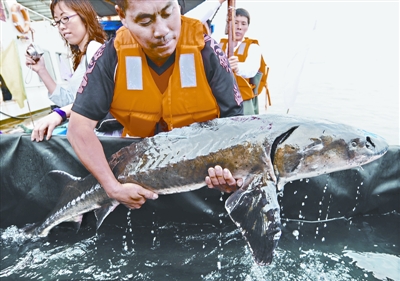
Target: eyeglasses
63,20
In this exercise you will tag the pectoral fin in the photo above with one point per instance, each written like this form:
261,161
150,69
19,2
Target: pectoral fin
255,210
77,221
104,211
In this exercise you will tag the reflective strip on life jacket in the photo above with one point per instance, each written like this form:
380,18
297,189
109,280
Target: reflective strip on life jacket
187,70
134,73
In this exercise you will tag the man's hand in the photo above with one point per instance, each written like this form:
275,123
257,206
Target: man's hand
222,179
234,63
133,196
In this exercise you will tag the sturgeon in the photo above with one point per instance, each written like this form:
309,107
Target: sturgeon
267,151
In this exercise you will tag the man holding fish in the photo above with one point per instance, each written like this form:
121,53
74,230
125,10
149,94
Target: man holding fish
160,72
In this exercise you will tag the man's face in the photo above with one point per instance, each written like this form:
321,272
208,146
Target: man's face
241,26
155,24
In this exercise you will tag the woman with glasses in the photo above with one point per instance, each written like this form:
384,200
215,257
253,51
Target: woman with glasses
77,23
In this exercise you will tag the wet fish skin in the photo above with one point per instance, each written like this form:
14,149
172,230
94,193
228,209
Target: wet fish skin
267,150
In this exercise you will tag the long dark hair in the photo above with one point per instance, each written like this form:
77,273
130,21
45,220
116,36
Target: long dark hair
89,18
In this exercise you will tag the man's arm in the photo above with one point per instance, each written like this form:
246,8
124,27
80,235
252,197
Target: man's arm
226,92
90,151
249,68
92,104
221,79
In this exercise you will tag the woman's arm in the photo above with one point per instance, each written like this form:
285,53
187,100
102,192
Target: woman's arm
40,68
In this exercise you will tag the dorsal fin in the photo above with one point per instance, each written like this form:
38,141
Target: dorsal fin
73,186
62,177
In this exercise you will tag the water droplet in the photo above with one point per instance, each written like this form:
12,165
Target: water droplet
295,233
307,180
302,203
219,265
295,192
323,239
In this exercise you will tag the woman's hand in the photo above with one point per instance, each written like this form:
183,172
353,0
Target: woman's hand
45,126
35,66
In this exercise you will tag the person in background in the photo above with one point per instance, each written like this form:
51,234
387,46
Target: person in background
160,72
78,25
247,63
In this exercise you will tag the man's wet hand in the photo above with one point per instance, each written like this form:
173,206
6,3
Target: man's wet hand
133,196
222,179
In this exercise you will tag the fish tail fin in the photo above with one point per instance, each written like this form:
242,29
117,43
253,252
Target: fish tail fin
30,229
255,210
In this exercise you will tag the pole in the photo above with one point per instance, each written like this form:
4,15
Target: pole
230,28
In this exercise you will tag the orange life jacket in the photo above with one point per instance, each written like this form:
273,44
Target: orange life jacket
246,88
138,104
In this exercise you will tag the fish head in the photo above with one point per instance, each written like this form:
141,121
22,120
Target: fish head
315,148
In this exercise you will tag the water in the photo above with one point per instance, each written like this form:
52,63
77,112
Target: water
360,249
